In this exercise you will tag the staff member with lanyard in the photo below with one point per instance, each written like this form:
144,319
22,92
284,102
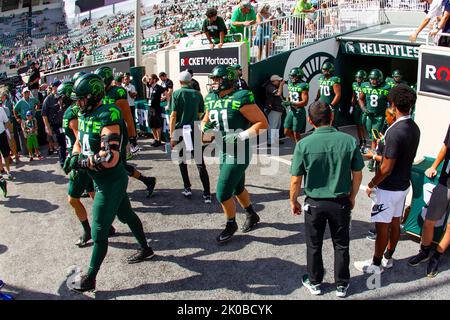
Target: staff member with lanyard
331,163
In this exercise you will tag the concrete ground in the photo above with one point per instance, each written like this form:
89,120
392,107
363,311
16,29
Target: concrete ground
39,229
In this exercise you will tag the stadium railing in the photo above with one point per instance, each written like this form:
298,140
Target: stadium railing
433,40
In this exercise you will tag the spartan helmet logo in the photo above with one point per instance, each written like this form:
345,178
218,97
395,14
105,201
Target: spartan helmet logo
96,87
349,47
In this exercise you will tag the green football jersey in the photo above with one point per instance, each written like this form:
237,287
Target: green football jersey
295,94
70,114
375,97
391,82
113,94
326,88
89,130
226,112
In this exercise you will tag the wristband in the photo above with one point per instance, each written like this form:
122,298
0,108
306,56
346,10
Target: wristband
244,135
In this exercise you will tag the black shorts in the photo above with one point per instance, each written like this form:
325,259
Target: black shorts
156,120
4,145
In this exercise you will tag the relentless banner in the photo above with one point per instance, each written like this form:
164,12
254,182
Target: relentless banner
391,50
203,61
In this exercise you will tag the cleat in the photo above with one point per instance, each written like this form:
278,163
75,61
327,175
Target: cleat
135,149
141,255
250,223
187,192
207,199
83,241
228,232
81,283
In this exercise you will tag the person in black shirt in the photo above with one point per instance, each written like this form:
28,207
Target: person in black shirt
274,98
56,123
240,83
391,183
194,83
167,85
214,28
156,120
49,108
33,80
437,208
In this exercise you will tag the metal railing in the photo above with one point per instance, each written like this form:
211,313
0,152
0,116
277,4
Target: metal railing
272,37
404,5
434,40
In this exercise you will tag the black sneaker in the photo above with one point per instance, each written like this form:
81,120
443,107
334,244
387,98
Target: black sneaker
229,231
417,259
187,192
156,144
250,223
432,268
371,235
207,199
141,255
150,182
83,284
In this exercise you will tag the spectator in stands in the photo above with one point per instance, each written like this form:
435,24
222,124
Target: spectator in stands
194,83
298,23
49,109
264,31
274,109
214,28
35,77
167,85
131,93
243,16
155,93
444,25
436,8
241,84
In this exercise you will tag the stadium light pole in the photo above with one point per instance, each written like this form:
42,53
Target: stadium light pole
137,35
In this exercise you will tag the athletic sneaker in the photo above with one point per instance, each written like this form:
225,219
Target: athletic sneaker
432,268
141,255
228,232
387,263
156,144
3,186
250,222
418,258
207,199
341,291
150,183
367,266
371,235
83,284
187,192
135,149
313,288
83,240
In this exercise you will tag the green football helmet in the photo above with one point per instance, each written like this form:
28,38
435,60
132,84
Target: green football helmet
64,89
106,74
361,74
296,74
397,75
236,66
78,75
228,77
377,75
328,66
91,87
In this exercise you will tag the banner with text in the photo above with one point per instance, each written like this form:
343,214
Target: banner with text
435,74
203,61
389,50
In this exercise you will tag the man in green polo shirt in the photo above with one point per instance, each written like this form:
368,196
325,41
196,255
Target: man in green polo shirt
214,28
243,16
186,106
331,165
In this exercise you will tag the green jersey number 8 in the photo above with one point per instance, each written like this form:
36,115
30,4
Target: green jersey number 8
374,101
325,90
214,116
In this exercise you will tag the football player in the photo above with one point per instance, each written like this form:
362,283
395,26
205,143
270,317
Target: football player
238,119
360,78
373,102
97,149
397,78
295,122
330,90
118,96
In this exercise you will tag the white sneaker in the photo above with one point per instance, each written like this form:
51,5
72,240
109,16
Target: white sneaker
387,263
314,289
367,266
135,149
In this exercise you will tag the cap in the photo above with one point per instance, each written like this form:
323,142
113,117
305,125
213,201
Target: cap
275,77
25,90
246,3
185,76
190,71
56,83
29,113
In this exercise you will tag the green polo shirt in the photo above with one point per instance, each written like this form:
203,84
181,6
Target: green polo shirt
187,103
238,16
300,6
326,159
22,106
